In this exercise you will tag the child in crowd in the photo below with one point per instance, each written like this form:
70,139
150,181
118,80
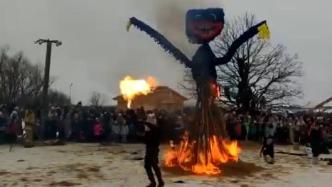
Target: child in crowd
98,130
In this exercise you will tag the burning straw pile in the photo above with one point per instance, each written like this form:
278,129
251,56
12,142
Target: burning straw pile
204,148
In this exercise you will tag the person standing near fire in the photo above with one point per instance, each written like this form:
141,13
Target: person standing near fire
152,142
29,121
268,142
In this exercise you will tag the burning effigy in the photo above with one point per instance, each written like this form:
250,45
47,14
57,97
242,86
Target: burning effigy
205,146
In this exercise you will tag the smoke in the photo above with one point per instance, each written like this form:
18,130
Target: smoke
170,19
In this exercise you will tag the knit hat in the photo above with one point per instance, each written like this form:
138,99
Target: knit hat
151,118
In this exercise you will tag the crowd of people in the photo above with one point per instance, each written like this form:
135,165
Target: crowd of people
82,124
287,129
92,124
311,130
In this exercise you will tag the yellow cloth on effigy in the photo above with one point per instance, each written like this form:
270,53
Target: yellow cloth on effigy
264,32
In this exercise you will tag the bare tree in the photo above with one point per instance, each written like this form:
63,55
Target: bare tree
97,99
261,73
20,81
18,77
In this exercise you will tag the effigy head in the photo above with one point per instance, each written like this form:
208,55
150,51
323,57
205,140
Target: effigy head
203,25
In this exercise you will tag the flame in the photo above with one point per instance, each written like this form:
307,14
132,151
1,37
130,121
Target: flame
131,88
207,160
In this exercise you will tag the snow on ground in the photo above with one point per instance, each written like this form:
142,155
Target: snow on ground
121,165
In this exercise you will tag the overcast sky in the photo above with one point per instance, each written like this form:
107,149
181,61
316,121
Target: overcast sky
97,51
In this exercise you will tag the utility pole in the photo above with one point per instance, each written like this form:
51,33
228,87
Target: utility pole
46,72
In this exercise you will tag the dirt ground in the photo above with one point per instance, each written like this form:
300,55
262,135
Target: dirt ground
121,165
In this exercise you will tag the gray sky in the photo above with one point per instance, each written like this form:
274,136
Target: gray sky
97,52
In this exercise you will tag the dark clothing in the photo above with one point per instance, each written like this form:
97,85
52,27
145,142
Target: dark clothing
75,126
151,162
152,142
12,128
3,123
50,129
231,128
60,128
152,137
106,126
268,147
203,66
316,141
11,138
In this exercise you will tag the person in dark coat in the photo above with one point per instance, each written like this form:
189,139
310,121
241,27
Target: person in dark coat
315,142
268,145
152,142
13,128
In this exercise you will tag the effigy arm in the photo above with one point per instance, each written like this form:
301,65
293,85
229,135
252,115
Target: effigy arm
261,29
160,39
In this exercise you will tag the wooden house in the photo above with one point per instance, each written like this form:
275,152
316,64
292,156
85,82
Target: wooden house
162,97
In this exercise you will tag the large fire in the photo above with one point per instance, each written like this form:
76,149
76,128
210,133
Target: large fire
130,88
208,159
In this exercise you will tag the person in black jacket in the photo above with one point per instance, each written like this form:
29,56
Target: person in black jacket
268,145
152,142
315,141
